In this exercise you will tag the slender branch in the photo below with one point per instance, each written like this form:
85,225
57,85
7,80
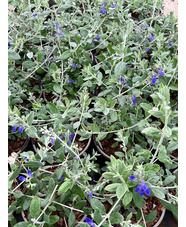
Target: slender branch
143,217
107,216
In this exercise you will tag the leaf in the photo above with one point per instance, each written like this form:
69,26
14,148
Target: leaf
12,55
30,55
112,187
113,115
121,189
51,185
116,218
97,205
158,193
15,174
76,124
28,64
146,106
169,180
65,186
119,69
151,169
31,132
22,224
40,56
167,131
101,136
151,131
65,55
53,109
57,88
138,200
53,219
127,198
18,194
150,217
71,219
30,118
157,114
35,207
78,191
33,164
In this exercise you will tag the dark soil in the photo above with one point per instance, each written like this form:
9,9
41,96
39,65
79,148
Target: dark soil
49,96
107,146
15,145
61,221
175,153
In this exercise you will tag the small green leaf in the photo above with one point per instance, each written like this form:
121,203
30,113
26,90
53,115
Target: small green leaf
167,131
40,56
150,217
65,186
121,189
30,55
28,64
169,180
18,194
97,205
31,132
15,174
65,55
119,69
113,115
33,164
57,88
71,219
112,187
12,55
127,198
146,106
116,218
53,109
30,118
138,200
22,224
53,219
35,207
158,193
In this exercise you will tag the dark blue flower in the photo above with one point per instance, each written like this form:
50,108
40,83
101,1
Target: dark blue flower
132,177
146,26
61,34
127,85
25,159
93,41
103,10
104,3
154,79
14,128
55,34
97,37
151,37
121,80
74,65
52,59
57,25
9,45
20,128
143,57
143,189
68,141
61,178
170,44
21,178
161,73
34,15
29,174
53,141
71,136
147,49
90,222
48,25
90,194
70,81
133,100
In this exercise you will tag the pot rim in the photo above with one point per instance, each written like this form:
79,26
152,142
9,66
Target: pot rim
84,150
99,149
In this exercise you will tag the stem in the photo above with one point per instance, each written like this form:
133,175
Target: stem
108,213
71,208
153,12
46,205
143,217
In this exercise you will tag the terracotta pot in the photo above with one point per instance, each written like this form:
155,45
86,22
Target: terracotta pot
84,150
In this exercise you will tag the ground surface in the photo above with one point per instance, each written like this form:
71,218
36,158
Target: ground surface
171,5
